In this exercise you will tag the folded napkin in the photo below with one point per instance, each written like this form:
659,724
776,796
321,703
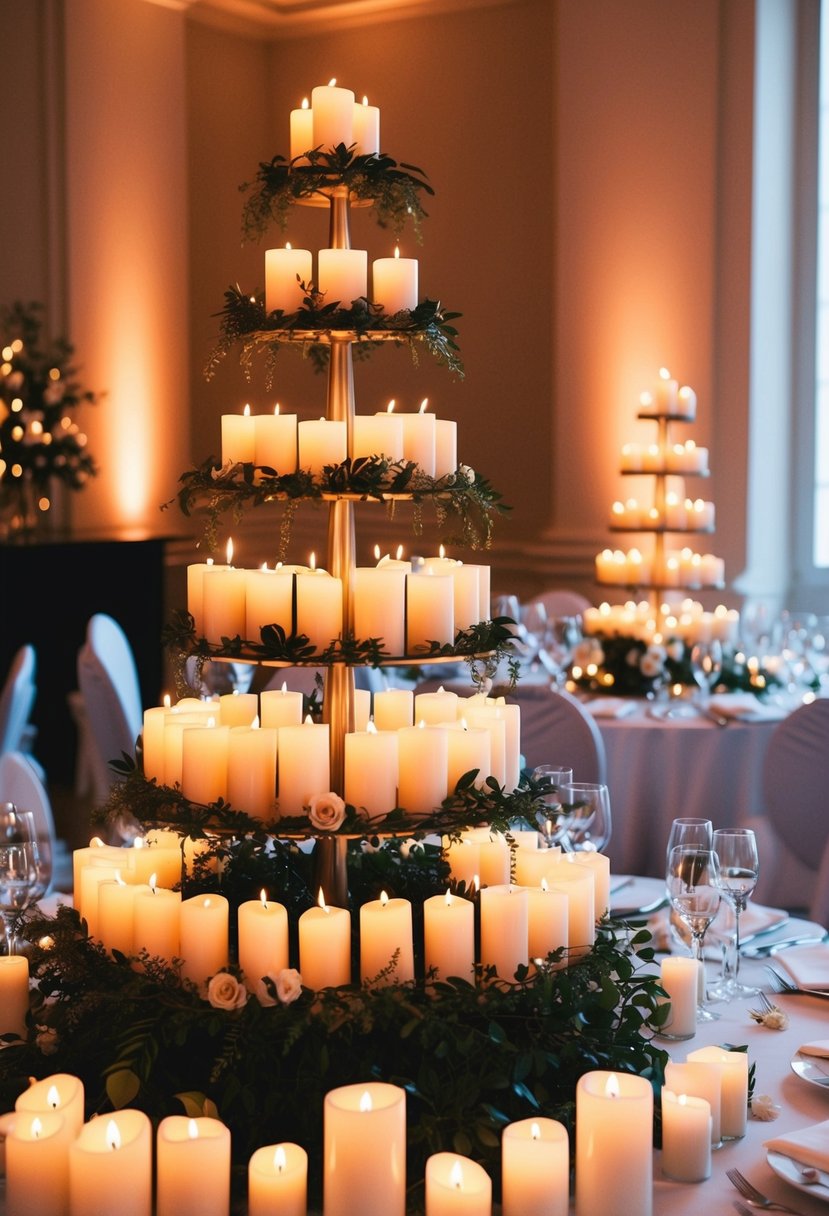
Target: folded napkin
808,966
745,707
611,707
818,1047
809,1146
755,919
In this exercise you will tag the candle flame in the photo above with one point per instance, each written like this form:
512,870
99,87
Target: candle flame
167,701
211,721
96,843
263,895
365,1102
113,1135
384,899
230,551
544,886
332,82
371,729
312,561
390,406
611,1089
153,881
305,104
456,1176
284,687
683,1099
309,721
246,411
321,901
365,100
377,553
119,879
448,898
53,1097
206,903
276,408
193,1129
288,245
399,553
423,405
476,882
535,1131
279,1159
442,552
421,724
664,374
37,1128
255,724
139,843
397,251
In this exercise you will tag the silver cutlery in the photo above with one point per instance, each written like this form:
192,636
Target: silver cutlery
766,949
780,984
756,1198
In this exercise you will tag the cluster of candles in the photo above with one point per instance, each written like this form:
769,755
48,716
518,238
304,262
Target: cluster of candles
690,515
406,750
688,620
407,604
342,276
685,568
673,458
280,442
333,117
668,399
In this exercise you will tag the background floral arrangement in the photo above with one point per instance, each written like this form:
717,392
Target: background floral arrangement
628,666
39,390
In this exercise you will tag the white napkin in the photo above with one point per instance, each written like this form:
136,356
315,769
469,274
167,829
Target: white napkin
809,1146
808,966
817,1047
745,707
755,919
611,707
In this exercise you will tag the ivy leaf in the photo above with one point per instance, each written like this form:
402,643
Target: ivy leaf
122,1087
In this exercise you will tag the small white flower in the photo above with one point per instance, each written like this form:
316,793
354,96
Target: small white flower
224,991
650,666
764,1108
410,846
326,812
367,847
288,985
468,473
773,1018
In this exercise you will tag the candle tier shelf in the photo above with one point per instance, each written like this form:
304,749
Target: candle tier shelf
657,528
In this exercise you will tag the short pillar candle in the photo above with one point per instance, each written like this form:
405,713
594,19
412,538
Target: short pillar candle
457,1186
14,994
325,946
204,937
686,1137
263,938
614,1145
193,1167
679,976
535,1168
364,1151
733,1068
386,931
449,936
278,1181
37,1166
504,929
110,1166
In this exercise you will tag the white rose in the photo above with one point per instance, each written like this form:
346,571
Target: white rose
764,1108
410,846
226,992
467,472
288,985
326,812
650,666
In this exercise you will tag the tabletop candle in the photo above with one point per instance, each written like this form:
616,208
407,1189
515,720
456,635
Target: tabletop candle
366,129
599,863
193,1167
535,1168
457,1186
469,748
157,921
116,914
547,921
61,1093
733,1066
204,933
276,441
278,1181
110,1166
157,854
464,859
174,724
321,442
449,936
223,602
204,752
325,946
343,276
380,607
14,994
686,1137
371,771
394,283
423,758
263,938
504,929
364,1150
301,132
386,932
393,708
37,1166
377,435
304,765
614,1145
579,883
238,437
280,707
251,770
446,446
238,708
285,270
698,1079
419,438
319,607
679,976
430,610
491,718
332,108
152,740
269,600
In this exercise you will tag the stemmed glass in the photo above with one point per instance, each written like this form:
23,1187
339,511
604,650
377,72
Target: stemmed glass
738,872
587,811
692,881
550,778
706,665
18,880
686,830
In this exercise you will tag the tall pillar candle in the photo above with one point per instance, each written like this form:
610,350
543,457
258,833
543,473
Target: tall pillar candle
386,931
278,1181
276,441
679,976
547,921
395,283
535,1168
579,883
223,602
457,1186
366,129
321,442
377,435
285,270
364,1150
492,719
469,748
393,708
464,859
301,132
371,765
92,876
193,1167
319,607
423,758
325,946
494,855
94,853
614,1145
686,1137
342,275
14,994
157,922
174,725
251,770
269,600
263,939
430,610
304,765
238,438
110,1166
504,929
449,936
599,863
204,937
204,753
380,606
332,108
446,447
419,439
733,1068
37,1166
116,914
698,1079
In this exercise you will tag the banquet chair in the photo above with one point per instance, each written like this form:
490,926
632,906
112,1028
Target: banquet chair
22,784
17,698
796,785
559,601
111,698
556,728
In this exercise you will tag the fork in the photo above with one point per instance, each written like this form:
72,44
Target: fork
754,1197
780,984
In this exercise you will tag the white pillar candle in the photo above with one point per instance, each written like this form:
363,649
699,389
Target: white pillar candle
393,708
175,724
446,446
238,438
157,853
614,1145
469,748
733,1066
386,928
92,876
457,1186
599,863
37,1166
532,865
364,1150
464,859
535,1168
419,442
195,592
152,741
436,707
449,936
276,441
285,270
665,393
494,855
321,442
686,1137
380,606
547,920
269,599
679,976
325,946
430,610
204,753
492,719
423,759
699,1079
110,1166
278,1181
116,914
193,1167
377,435
687,402
280,707
14,994
504,929
580,885
204,934
366,129
511,714
371,771
94,853
238,708
395,283
304,765
263,939
302,132
343,276
61,1093
223,603
333,116
362,709
157,922
319,607
251,770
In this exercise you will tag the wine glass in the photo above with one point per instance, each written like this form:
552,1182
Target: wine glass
42,841
692,882
550,778
686,830
18,879
739,869
587,812
706,666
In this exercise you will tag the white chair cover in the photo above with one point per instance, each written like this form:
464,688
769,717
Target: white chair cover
108,681
557,729
16,700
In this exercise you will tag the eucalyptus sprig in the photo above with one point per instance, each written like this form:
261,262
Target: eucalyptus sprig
394,191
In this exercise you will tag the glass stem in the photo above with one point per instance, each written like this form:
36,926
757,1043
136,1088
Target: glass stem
739,905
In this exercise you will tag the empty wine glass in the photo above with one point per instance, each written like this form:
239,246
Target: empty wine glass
18,879
42,854
550,778
587,812
739,869
706,666
692,882
686,830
